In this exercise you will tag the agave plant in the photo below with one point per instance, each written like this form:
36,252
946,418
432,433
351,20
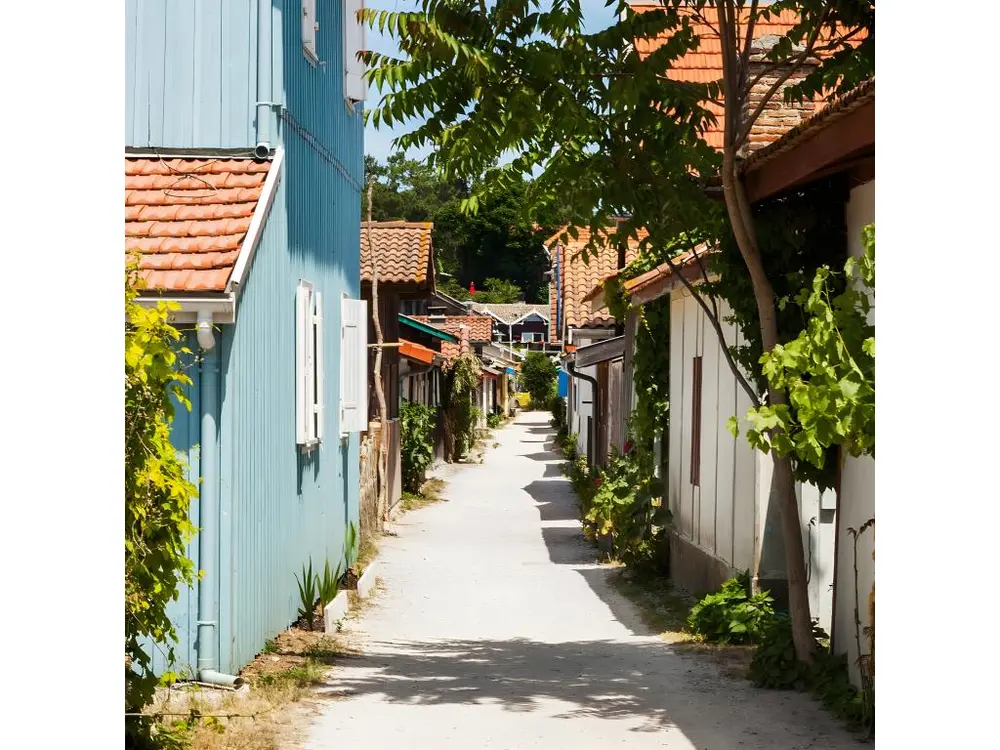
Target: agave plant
329,583
307,594
351,545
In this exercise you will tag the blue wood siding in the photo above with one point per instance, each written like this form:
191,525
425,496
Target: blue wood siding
185,434
190,74
191,83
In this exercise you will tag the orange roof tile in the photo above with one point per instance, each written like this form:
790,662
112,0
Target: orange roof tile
403,252
187,218
480,327
578,277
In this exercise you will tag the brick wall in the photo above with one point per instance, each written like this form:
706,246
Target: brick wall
777,117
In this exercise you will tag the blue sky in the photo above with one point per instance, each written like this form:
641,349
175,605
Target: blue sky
378,143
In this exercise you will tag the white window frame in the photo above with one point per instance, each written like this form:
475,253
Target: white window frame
310,31
309,366
530,337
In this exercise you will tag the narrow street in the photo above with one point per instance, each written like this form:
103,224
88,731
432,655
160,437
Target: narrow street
497,629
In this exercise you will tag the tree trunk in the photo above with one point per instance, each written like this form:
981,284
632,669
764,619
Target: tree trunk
783,483
383,452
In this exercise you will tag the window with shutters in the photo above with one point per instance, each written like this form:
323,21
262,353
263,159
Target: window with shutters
308,366
310,28
355,36
353,365
696,421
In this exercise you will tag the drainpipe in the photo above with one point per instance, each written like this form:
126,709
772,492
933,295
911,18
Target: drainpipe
264,103
595,406
208,538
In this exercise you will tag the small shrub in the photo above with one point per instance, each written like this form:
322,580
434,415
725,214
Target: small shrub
328,585
416,443
774,666
732,614
558,408
493,421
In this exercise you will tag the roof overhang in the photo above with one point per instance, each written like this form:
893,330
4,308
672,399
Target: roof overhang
222,306
428,329
602,351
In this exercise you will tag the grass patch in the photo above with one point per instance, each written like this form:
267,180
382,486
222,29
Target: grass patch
262,718
367,551
664,609
429,494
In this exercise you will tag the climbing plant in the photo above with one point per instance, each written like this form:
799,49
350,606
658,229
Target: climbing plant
461,379
417,443
828,370
157,492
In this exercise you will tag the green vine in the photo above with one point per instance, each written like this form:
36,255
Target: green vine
157,494
461,379
828,371
417,443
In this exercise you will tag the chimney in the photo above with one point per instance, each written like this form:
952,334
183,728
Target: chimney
463,339
778,117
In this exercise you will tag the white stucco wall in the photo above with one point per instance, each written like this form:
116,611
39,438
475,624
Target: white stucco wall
857,488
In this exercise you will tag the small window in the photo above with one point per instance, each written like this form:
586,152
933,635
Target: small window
696,421
528,337
308,366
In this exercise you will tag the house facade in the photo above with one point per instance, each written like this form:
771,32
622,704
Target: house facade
243,173
517,323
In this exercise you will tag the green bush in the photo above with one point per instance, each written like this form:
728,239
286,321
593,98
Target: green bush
627,505
493,421
558,408
732,614
538,378
416,443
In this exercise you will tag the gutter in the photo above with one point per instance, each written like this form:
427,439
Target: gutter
207,645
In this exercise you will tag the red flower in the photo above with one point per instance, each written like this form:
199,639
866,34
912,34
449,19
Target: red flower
628,446
597,481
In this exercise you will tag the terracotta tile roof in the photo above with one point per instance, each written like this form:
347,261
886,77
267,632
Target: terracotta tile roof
402,249
704,65
188,218
480,326
578,277
510,312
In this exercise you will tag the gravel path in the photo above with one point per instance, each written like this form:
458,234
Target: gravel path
497,630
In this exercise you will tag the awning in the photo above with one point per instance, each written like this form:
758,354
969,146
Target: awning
416,352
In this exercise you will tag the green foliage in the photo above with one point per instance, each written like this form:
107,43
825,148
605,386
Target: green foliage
828,371
460,416
774,666
417,424
627,505
157,492
351,544
557,405
651,375
493,420
328,585
499,291
308,594
538,378
733,614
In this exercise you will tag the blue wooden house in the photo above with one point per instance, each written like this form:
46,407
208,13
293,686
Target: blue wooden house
243,174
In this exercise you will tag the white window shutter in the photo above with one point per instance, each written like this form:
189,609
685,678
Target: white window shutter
355,35
309,28
303,362
354,365
317,327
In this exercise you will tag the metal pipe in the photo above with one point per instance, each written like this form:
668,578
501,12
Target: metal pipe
263,148
208,536
596,404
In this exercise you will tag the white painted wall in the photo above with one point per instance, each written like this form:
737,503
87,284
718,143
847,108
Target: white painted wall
857,489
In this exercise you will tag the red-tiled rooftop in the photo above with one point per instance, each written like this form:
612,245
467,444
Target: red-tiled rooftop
188,218
480,326
402,252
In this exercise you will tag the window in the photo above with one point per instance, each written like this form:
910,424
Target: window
353,365
308,366
528,337
696,421
309,28
355,87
